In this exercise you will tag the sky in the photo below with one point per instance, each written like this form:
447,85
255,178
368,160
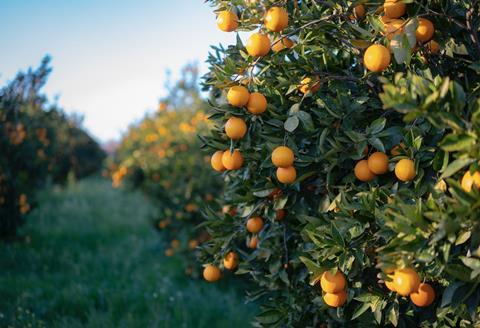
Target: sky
109,57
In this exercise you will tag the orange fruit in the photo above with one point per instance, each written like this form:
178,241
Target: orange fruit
282,156
394,27
238,96
378,163
405,170
175,243
362,172
394,8
425,30
390,284
433,47
406,281
332,283
257,103
255,224
216,161
286,175
258,45
359,11
276,19
469,181
396,150
227,21
192,244
280,214
308,85
377,58
169,252
424,296
232,161
211,273
335,300
284,43
230,261
253,242
235,128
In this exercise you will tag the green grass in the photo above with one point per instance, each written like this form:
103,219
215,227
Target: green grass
91,259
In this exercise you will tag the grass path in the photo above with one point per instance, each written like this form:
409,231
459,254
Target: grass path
91,260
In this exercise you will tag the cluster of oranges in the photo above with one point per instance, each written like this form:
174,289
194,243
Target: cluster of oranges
212,273
377,164
334,288
406,282
283,158
23,204
16,134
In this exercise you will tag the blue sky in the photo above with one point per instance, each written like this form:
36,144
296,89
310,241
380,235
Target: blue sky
109,57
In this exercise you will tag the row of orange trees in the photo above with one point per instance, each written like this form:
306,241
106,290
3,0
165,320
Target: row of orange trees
347,134
160,155
39,144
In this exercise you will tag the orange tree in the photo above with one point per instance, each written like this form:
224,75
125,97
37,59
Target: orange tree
160,155
36,140
348,133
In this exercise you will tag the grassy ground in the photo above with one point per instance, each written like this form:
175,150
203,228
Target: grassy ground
91,259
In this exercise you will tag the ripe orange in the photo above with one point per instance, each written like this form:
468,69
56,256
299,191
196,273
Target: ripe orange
359,11
238,96
175,243
227,21
235,128
255,224
280,214
284,43
332,283
396,150
433,47
230,261
425,30
391,284
216,161
276,19
258,45
192,244
394,8
211,273
257,103
406,281
169,252
308,85
378,163
335,300
394,27
405,170
286,175
282,156
253,242
362,172
377,58
232,161
469,181
424,296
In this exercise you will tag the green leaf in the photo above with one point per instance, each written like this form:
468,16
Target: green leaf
360,310
291,123
456,166
454,142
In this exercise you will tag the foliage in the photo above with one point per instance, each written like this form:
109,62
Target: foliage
38,143
160,155
424,106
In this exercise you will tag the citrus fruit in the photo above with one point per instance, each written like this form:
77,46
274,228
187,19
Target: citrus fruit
282,156
230,261
276,19
280,214
332,283
211,273
362,172
253,242
359,11
232,161
235,128
394,8
286,175
405,170
238,96
284,43
257,103
425,30
424,296
378,163
433,47
394,27
390,284
406,281
227,21
258,45
377,58
255,224
216,161
308,85
469,181
335,300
